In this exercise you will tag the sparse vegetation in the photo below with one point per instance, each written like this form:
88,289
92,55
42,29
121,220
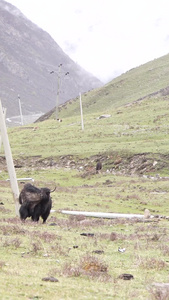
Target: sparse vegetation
88,262
77,257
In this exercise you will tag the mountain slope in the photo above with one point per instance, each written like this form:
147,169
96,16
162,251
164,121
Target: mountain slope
133,139
141,82
27,56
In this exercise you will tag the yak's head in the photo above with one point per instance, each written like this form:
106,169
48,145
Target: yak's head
45,193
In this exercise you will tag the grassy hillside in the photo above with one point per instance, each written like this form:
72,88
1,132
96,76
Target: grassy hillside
131,86
140,128
133,146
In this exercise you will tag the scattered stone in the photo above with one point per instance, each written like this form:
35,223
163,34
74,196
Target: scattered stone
126,276
118,161
103,116
25,254
75,247
98,166
87,234
98,251
121,250
154,163
51,279
107,182
52,224
147,214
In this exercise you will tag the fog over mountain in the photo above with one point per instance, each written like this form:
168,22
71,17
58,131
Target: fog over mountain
29,66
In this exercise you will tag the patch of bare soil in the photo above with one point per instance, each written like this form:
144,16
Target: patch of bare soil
139,164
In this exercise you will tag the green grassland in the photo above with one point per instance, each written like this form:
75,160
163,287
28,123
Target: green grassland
133,146
130,86
29,252
140,128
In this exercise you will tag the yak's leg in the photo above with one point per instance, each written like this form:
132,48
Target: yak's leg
23,211
46,211
35,218
45,216
36,213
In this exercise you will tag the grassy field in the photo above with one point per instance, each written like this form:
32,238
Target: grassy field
141,128
82,252
87,267
133,85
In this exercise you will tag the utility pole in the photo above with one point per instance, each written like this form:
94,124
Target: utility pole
81,111
58,88
9,160
58,93
4,114
20,110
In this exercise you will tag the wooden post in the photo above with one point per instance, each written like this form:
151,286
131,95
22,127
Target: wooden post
9,160
4,113
81,111
20,110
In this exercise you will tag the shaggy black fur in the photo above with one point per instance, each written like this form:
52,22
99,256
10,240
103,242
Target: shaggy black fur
35,203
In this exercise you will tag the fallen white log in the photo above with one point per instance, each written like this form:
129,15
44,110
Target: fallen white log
20,179
102,215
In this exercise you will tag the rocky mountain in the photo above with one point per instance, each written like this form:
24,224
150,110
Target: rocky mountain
32,65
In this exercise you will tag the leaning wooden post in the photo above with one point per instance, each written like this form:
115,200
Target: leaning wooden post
4,112
9,160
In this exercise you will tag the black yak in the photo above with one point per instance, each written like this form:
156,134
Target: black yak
35,202
98,166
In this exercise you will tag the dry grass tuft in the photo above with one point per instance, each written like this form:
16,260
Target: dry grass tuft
165,249
36,246
58,249
15,243
71,271
90,263
90,266
45,236
153,263
11,229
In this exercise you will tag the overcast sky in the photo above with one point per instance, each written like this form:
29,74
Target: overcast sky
105,37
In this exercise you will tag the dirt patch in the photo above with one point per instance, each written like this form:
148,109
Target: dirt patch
137,164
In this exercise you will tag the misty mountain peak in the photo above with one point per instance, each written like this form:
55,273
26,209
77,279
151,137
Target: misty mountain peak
28,54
